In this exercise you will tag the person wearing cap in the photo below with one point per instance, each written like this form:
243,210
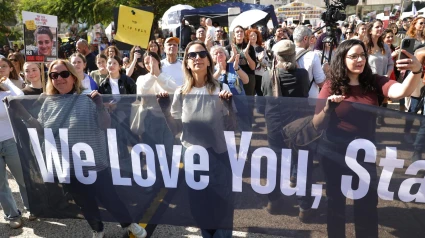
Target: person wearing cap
171,65
290,81
183,32
404,28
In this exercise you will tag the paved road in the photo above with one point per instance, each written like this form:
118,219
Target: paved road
396,218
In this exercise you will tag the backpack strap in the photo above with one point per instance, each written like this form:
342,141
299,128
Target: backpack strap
301,54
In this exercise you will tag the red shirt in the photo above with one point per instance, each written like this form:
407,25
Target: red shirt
353,118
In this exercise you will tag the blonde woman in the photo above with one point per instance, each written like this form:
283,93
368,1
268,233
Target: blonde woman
88,119
32,73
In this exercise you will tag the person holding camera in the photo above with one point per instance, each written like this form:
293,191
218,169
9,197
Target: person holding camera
136,67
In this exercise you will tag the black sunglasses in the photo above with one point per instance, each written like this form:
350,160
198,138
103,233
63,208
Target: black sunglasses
14,60
192,55
63,74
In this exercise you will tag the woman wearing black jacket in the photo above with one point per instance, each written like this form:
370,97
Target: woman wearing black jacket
119,107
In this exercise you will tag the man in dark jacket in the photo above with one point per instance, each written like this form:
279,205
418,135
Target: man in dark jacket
183,32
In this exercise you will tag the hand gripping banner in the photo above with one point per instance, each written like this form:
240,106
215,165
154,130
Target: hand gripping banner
270,165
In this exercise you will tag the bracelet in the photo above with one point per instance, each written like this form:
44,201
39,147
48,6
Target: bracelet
238,69
418,72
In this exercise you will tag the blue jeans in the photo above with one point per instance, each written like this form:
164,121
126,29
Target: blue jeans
9,156
420,137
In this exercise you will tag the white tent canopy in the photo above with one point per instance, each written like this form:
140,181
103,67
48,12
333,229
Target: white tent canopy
171,18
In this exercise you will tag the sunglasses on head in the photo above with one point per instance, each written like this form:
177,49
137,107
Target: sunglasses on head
192,55
63,74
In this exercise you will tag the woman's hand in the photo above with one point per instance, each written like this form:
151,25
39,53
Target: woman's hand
234,50
332,102
411,63
246,50
225,94
163,100
154,64
236,62
96,98
136,55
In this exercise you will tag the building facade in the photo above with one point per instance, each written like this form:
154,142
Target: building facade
362,9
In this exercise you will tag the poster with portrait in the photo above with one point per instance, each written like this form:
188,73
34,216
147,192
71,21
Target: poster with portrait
40,37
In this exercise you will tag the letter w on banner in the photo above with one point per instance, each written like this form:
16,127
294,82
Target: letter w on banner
134,26
229,165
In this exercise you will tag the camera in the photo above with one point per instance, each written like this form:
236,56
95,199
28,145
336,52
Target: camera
68,48
335,11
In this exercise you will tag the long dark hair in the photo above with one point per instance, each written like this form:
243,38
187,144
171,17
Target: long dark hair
388,31
339,80
368,39
154,55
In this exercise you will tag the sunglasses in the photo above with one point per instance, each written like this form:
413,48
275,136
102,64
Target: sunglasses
138,51
192,55
13,60
63,74
219,31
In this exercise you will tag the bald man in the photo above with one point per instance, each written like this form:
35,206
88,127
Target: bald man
83,48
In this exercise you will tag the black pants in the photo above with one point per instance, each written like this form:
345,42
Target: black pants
86,196
365,209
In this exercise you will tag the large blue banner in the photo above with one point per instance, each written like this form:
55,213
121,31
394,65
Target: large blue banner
257,164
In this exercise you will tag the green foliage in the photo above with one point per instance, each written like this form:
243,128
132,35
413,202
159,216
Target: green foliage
95,11
7,15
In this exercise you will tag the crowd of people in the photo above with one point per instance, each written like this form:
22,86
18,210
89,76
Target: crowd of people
292,62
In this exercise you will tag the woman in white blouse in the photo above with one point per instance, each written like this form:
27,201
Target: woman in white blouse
152,125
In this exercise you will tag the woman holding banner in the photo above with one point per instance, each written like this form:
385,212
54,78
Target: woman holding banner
199,111
9,153
86,120
351,84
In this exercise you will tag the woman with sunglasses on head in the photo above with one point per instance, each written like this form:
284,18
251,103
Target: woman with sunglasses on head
136,67
360,31
102,72
351,80
416,31
87,121
11,73
198,111
240,46
79,62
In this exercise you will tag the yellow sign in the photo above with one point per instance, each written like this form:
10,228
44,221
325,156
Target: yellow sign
134,26
30,25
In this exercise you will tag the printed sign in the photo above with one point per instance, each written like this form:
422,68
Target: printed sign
40,37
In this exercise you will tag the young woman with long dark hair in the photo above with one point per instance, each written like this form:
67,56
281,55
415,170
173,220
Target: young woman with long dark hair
352,80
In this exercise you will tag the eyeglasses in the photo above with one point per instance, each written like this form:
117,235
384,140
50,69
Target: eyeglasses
348,32
219,31
63,74
192,55
356,57
13,60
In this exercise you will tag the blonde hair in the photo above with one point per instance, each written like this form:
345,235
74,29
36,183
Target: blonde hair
32,63
189,82
78,87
